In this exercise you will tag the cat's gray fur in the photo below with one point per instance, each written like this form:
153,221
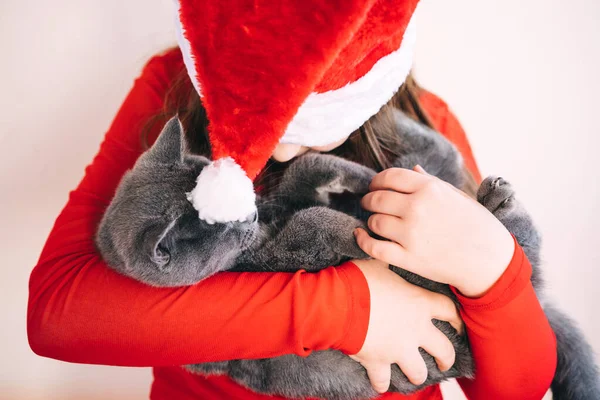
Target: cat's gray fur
151,233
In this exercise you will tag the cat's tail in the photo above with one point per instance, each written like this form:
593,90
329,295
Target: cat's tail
577,376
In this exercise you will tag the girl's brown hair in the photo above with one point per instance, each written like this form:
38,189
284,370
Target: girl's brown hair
369,146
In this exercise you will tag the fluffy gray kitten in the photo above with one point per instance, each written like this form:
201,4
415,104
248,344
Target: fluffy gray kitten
151,232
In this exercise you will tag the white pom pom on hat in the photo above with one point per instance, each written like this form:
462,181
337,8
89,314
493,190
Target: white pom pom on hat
307,72
223,193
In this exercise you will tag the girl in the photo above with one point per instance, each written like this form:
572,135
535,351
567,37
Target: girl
81,311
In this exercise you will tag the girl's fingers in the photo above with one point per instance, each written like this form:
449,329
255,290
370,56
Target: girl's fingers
413,366
440,347
420,169
387,226
380,376
399,179
444,309
389,252
385,202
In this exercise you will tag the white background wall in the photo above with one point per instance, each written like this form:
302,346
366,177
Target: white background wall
522,76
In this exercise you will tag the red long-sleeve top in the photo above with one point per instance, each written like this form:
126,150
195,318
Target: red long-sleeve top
82,311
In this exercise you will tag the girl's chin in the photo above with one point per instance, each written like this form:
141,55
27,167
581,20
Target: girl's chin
284,156
286,152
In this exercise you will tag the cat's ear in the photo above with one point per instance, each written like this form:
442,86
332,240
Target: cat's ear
158,243
170,146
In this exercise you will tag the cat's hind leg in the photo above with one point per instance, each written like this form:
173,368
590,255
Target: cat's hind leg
576,376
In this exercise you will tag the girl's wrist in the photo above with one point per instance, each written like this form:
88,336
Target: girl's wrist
489,270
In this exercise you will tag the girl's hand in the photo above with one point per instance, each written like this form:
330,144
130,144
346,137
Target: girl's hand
400,323
435,231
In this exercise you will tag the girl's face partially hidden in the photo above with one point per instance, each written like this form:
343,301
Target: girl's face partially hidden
285,152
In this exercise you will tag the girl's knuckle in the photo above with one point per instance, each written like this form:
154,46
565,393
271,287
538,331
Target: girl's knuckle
432,187
376,223
388,176
449,355
448,358
378,199
366,243
377,251
367,201
360,241
367,246
372,222
415,209
384,177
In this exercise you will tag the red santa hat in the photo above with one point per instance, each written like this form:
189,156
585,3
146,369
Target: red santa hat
307,72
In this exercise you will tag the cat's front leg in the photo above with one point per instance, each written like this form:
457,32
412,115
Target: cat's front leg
498,196
312,239
314,176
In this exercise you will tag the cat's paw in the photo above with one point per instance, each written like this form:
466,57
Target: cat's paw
340,238
358,178
350,248
498,196
349,177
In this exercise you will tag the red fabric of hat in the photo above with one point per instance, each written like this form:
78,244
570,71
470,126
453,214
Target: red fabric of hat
293,71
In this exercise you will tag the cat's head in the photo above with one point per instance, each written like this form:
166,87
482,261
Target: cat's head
152,233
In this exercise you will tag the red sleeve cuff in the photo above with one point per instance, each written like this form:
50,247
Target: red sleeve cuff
513,346
359,308
516,276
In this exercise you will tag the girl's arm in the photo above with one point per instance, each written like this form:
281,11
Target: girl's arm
82,311
513,346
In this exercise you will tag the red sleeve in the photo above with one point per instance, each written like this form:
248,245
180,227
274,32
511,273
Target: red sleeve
513,346
79,310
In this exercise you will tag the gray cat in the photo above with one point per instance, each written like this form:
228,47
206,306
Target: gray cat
151,233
